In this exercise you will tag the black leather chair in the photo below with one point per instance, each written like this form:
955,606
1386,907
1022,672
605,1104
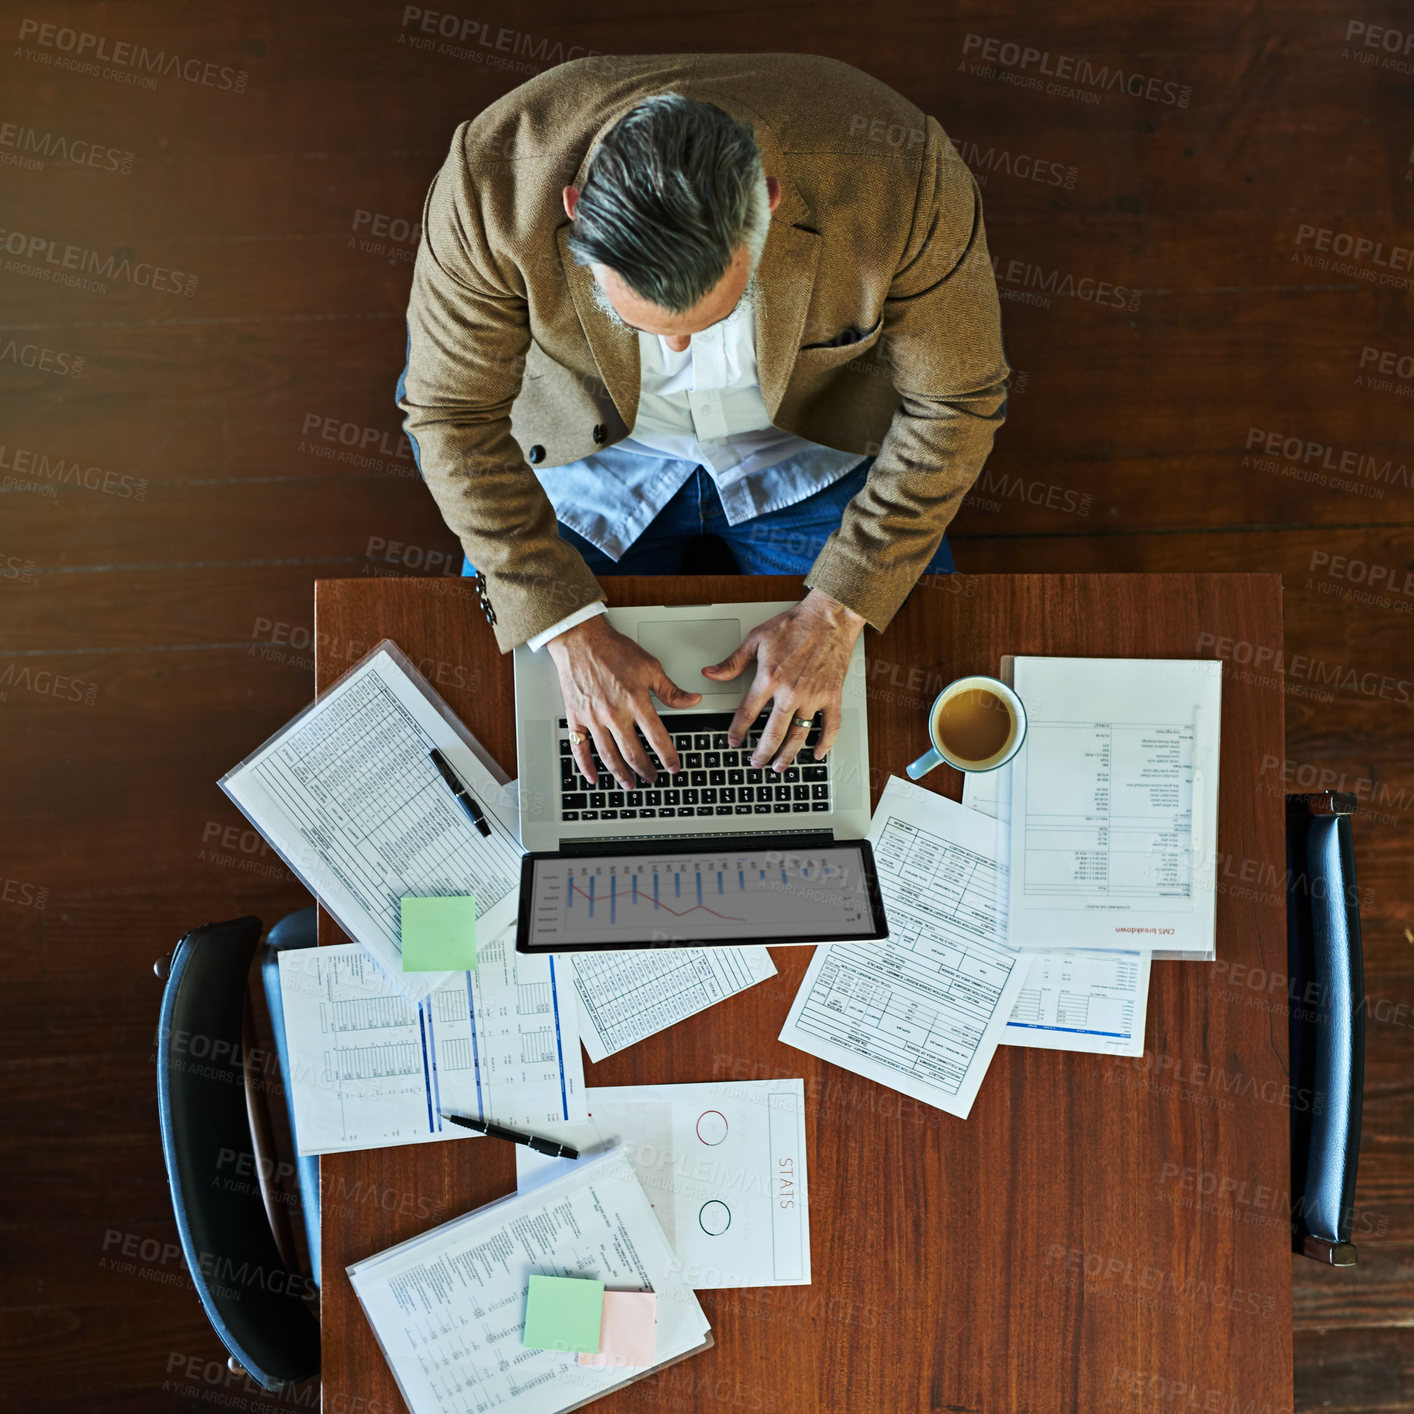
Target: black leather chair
263,1310
1327,1023
295,930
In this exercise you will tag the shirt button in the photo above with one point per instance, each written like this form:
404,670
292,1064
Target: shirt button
535,454
600,432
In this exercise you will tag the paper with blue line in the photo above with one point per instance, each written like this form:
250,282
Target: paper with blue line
1091,1000
370,1068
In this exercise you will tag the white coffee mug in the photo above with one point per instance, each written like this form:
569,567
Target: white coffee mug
939,753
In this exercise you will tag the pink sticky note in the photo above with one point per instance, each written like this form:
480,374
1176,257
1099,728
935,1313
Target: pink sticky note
626,1330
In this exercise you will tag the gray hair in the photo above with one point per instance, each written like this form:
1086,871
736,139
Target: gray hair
674,188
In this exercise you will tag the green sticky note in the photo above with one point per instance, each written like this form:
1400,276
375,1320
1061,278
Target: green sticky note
563,1314
439,934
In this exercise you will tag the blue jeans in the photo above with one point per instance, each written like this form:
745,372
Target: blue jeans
780,542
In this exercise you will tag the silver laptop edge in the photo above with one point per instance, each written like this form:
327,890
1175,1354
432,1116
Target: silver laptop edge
684,638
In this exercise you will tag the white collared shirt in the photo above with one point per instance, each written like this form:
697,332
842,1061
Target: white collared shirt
700,407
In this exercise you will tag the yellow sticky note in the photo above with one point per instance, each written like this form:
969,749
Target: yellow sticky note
626,1330
439,934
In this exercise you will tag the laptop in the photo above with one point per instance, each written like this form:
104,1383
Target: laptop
764,856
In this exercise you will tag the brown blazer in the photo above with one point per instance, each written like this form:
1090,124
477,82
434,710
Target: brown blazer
877,323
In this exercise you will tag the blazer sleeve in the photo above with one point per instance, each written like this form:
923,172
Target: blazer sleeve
468,332
942,331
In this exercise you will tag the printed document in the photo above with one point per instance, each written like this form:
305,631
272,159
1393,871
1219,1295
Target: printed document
449,1307
723,1165
348,797
923,1010
1114,804
370,1068
1079,1000
625,997
1092,1000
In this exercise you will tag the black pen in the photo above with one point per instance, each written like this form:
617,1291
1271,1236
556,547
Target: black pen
496,1131
460,791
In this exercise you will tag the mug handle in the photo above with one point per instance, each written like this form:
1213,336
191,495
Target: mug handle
924,764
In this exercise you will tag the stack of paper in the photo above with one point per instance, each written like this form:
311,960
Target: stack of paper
348,796
449,1307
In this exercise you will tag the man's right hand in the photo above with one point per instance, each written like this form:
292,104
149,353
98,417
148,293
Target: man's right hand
605,679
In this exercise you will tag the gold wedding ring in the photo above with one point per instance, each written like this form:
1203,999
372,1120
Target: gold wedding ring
576,738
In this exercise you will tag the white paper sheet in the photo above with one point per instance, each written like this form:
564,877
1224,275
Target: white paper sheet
448,1307
922,1011
1090,1001
625,997
723,1165
1114,804
370,1068
348,797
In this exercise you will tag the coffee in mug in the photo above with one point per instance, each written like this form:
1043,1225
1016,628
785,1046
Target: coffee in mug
976,724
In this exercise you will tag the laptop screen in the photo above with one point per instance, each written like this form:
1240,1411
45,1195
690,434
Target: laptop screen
699,894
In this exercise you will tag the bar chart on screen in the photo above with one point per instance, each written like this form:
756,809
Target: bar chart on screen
729,894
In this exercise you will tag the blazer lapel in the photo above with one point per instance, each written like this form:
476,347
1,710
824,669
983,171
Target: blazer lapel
784,280
785,276
615,349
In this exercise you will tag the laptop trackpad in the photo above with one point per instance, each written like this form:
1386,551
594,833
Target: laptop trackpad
685,646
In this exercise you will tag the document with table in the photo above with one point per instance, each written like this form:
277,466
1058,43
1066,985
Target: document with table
449,1307
1114,804
723,1164
923,1010
1077,1000
625,997
370,1068
348,796
1085,1000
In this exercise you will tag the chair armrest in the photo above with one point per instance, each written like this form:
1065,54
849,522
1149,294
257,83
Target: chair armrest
1327,1024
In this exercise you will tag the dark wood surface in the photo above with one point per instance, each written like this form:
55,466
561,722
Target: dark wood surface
1043,1255
186,617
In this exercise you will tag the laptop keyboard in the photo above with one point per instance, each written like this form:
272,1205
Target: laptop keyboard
714,780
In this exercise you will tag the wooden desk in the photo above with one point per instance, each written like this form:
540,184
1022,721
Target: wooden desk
1053,1253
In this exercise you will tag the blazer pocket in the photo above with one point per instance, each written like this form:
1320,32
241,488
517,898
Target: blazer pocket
842,348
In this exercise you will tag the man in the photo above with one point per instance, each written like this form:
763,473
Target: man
665,293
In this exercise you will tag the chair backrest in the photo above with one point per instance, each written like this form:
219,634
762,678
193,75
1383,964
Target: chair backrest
295,930
257,1305
1327,1023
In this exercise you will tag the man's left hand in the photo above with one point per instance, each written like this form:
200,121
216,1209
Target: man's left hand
801,658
